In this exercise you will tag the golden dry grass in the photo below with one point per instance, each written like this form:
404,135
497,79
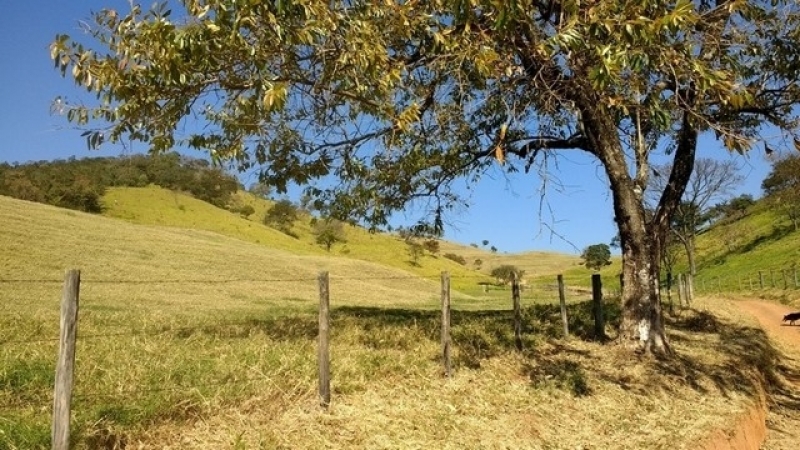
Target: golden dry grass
192,339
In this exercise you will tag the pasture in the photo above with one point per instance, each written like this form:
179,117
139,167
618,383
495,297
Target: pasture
192,339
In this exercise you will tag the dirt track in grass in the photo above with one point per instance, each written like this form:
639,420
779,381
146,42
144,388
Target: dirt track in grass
783,420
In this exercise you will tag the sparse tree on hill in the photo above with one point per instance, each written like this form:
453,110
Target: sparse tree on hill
505,273
711,181
260,190
446,91
485,242
282,216
432,246
494,249
415,251
596,256
329,232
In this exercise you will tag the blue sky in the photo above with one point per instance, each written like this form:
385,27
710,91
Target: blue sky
505,211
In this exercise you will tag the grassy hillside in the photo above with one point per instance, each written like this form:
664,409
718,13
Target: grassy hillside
731,254
156,206
193,339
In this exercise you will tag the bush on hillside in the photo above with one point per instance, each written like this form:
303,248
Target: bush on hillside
457,258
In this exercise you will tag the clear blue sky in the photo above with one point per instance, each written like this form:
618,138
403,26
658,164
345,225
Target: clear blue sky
507,212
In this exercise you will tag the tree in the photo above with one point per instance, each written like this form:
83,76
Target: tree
485,242
260,190
402,102
431,245
506,272
493,249
329,232
782,187
415,251
710,181
281,216
596,256
733,209
246,211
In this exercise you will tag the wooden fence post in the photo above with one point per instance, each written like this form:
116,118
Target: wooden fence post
446,343
65,366
597,303
750,281
785,279
324,357
517,312
761,279
562,298
680,289
772,277
795,278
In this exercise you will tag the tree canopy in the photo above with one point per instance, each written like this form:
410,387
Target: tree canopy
596,256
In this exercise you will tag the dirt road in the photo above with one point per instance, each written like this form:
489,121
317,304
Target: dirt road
783,421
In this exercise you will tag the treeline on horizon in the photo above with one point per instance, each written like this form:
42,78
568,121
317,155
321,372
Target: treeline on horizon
80,183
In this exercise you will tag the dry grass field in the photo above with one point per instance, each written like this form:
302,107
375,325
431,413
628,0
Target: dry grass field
191,339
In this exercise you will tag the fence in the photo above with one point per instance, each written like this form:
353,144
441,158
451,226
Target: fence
66,374
783,278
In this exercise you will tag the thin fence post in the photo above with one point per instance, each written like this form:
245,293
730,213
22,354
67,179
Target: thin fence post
796,284
681,295
597,302
324,356
750,281
689,289
772,277
785,279
761,279
446,342
65,366
517,311
562,298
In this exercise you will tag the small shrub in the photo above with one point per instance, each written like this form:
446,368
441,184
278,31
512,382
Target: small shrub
457,258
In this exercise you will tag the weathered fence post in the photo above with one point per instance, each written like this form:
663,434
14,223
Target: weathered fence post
324,356
795,278
597,303
446,343
761,279
65,366
517,312
689,286
680,289
785,279
562,298
772,277
750,281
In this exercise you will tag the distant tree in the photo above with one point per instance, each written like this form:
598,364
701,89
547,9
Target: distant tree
782,187
329,232
485,242
596,256
260,190
505,273
733,209
478,263
282,216
473,245
415,251
711,181
431,245
494,249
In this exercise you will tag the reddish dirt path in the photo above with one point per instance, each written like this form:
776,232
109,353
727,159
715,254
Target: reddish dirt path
783,419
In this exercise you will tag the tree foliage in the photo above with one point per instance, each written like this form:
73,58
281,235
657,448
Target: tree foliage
80,183
456,258
329,232
596,256
282,216
400,101
506,272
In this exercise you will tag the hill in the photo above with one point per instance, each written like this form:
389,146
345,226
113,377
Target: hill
731,254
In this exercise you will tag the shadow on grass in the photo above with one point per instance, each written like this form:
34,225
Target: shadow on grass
480,335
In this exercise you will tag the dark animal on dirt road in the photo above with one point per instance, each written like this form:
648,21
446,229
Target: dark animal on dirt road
791,317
